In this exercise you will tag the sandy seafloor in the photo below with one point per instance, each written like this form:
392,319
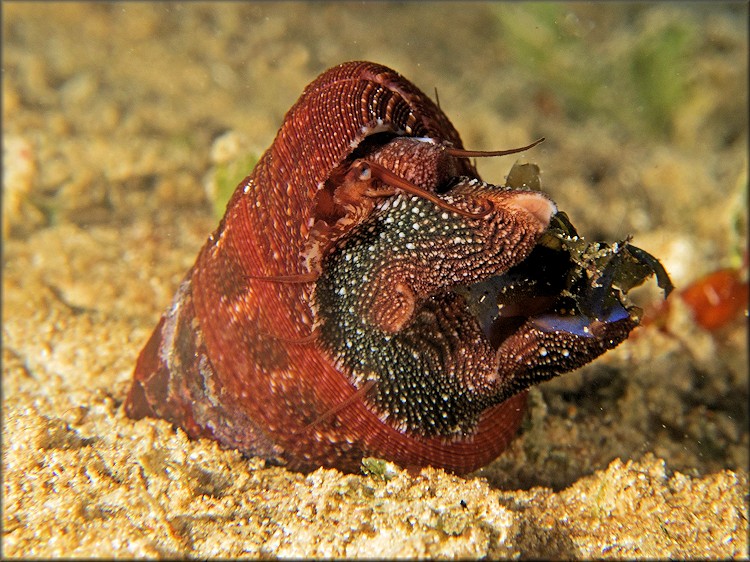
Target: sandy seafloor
111,115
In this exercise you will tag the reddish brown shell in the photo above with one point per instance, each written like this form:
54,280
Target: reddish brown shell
266,394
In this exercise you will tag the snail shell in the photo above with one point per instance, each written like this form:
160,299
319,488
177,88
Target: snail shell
333,314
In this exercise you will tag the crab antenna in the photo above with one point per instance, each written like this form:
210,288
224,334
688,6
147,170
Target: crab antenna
470,153
292,278
386,176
